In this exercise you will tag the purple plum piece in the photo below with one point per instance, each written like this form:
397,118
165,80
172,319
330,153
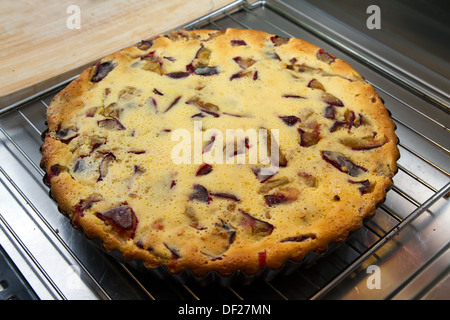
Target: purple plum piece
228,229
215,115
278,41
368,147
177,35
206,107
138,169
329,112
257,226
282,161
174,102
340,162
324,56
200,194
204,169
66,135
144,44
79,166
350,119
82,206
44,134
122,216
332,100
290,120
198,115
309,138
305,68
226,196
152,102
275,56
365,185
190,68
178,75
156,91
236,43
110,124
315,84
294,96
262,258
104,165
54,171
96,142
102,70
247,144
238,75
308,179
349,122
300,238
150,56
175,253
274,199
255,75
272,184
206,71
203,54
153,64
137,151
85,204
213,257
336,125
260,176
244,63
209,146
233,115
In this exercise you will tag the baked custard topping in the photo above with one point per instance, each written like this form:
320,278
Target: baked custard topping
219,150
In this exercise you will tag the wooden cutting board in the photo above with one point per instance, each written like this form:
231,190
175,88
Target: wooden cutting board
41,44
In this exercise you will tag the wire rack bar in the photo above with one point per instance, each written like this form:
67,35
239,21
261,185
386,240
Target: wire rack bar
40,215
391,234
30,255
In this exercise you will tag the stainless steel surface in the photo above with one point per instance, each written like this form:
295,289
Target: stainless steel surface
407,240
416,28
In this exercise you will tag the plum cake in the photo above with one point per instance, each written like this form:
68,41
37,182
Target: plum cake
219,151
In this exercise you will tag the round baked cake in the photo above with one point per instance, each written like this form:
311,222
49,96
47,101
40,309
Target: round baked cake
224,150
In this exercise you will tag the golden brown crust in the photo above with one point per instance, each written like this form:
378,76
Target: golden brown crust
117,182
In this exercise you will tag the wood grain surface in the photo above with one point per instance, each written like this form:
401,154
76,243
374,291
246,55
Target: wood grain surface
40,46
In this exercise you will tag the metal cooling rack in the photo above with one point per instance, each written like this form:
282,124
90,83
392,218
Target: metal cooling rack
407,239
